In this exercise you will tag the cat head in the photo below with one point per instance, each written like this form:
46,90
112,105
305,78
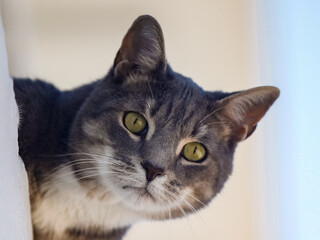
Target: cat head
158,142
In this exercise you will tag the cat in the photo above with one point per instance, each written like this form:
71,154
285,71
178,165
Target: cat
143,142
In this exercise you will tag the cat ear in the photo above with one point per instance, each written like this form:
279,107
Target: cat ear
245,109
142,48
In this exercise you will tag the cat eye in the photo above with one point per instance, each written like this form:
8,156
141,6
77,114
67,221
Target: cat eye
135,123
194,152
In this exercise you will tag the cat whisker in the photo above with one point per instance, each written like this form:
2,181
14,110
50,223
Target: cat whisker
89,154
185,216
122,171
214,111
211,123
80,171
100,172
191,195
173,197
74,154
150,90
75,179
199,217
169,211
110,158
69,154
126,178
92,175
73,173
65,166
192,209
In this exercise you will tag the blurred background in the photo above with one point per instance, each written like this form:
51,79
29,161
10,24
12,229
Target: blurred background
227,45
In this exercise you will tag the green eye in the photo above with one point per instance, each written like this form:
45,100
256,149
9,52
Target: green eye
135,122
194,152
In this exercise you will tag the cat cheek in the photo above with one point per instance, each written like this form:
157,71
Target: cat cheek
89,128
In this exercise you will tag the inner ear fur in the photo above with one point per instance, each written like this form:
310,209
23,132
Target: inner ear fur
142,48
245,109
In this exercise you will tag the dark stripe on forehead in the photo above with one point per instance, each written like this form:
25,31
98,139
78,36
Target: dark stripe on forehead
188,118
195,130
168,110
156,108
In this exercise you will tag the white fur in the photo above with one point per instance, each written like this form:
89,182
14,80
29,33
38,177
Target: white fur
68,204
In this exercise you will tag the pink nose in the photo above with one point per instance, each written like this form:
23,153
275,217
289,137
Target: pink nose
151,171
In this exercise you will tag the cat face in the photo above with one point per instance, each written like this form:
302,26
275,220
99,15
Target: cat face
153,138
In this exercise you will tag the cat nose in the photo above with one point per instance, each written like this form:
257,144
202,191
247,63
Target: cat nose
151,171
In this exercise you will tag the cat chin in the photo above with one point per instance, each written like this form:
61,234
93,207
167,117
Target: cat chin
139,199
150,204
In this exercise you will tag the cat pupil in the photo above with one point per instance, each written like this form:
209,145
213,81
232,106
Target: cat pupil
135,121
195,149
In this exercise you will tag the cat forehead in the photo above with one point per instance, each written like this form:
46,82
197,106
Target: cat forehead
154,94
178,101
174,103
178,118
167,106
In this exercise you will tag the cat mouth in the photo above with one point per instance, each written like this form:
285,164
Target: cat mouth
142,192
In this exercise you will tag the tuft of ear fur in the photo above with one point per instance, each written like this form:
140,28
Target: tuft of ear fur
244,109
142,48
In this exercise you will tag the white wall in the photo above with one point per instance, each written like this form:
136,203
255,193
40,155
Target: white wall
14,205
212,41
